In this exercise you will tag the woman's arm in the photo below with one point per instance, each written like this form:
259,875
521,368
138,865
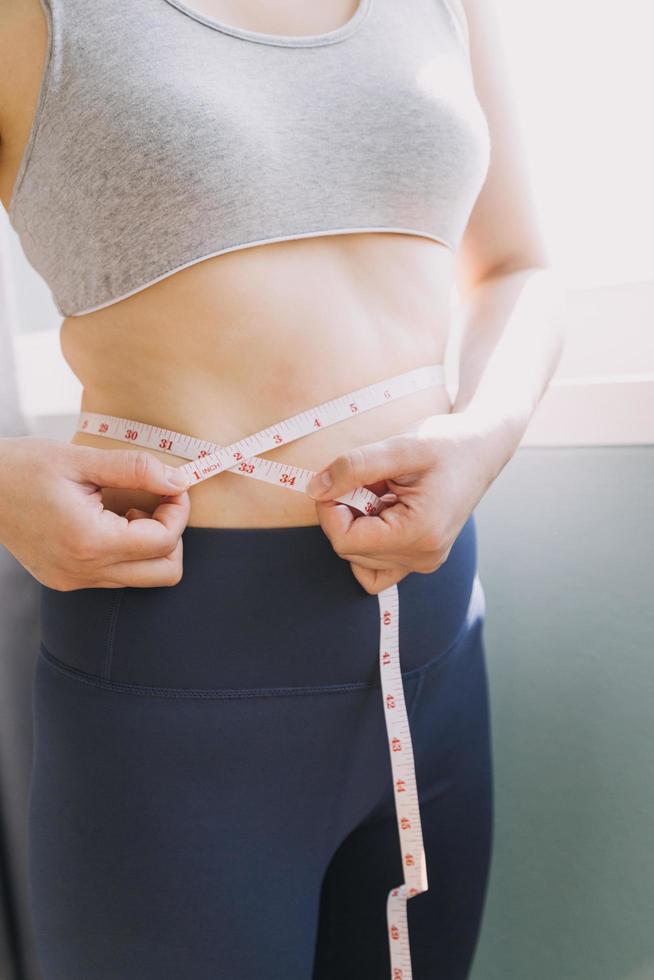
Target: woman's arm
514,305
513,332
514,313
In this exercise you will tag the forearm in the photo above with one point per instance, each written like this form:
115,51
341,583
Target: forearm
513,331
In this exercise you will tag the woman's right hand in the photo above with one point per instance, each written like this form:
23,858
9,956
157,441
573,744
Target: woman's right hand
53,521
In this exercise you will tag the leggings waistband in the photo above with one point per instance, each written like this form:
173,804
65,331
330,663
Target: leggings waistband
258,608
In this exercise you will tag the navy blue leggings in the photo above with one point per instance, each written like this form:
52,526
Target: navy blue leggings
211,788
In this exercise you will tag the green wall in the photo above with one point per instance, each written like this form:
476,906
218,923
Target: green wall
566,542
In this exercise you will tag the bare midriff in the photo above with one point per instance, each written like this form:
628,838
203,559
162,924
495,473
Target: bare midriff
236,342
240,341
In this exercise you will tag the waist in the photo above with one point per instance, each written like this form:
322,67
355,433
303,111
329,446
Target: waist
235,343
229,501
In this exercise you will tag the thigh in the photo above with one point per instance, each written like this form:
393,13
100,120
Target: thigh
172,836
449,722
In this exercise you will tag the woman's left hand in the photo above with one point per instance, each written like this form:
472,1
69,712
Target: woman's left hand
437,471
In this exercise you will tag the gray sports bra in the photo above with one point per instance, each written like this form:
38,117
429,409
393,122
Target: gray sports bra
163,137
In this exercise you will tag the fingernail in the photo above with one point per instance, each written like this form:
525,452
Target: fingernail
177,479
319,484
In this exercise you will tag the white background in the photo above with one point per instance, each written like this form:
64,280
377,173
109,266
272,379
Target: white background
583,77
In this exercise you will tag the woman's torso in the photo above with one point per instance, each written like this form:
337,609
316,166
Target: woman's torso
236,342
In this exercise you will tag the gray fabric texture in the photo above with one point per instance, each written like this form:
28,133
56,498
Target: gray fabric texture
162,137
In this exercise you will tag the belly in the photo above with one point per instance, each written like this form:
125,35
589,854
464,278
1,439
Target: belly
237,342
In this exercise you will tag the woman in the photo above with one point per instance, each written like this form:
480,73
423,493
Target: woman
244,211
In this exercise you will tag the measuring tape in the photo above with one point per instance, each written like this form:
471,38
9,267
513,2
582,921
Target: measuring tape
207,459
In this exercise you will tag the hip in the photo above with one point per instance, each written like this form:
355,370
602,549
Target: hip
258,609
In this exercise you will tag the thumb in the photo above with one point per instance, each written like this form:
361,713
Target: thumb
130,469
363,466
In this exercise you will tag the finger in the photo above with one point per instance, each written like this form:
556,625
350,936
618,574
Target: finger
375,581
379,487
151,536
385,460
135,514
377,564
150,573
130,469
386,534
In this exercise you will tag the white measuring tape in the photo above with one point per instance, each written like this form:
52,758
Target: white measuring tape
207,460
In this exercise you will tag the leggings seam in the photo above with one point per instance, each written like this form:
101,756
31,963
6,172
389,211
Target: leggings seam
111,633
416,697
142,690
